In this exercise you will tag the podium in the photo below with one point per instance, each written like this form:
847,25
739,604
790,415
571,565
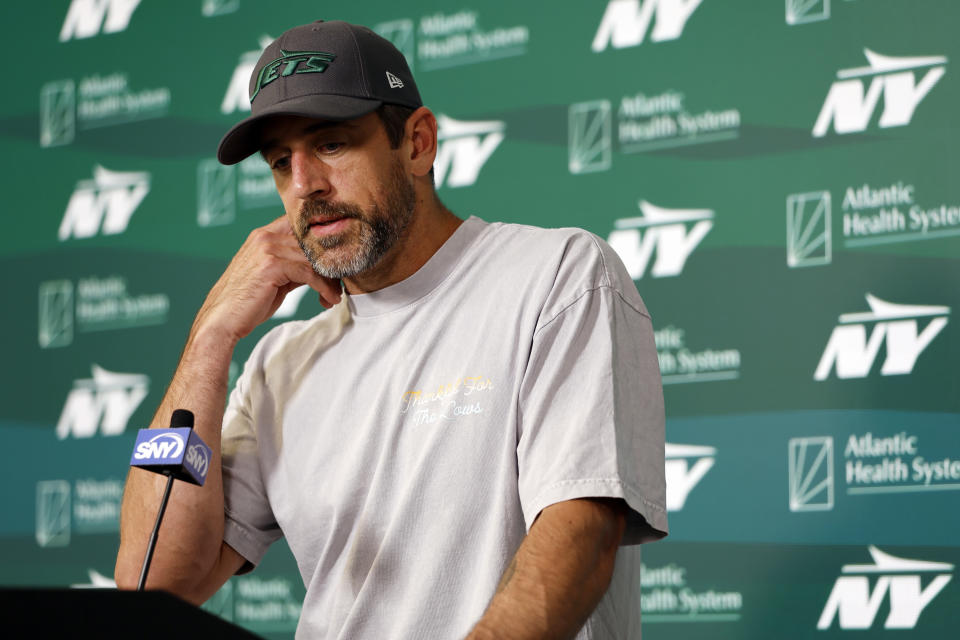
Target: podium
108,613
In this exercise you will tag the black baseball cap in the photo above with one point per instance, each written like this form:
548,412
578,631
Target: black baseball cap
329,70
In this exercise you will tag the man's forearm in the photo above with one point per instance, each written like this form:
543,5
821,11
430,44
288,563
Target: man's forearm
558,575
191,559
192,532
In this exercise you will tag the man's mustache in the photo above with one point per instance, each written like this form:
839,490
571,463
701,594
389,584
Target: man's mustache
325,211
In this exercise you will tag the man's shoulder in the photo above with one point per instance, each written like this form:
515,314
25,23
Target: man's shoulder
562,264
524,231
562,243
563,248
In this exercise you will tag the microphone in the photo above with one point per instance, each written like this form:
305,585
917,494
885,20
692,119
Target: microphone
178,453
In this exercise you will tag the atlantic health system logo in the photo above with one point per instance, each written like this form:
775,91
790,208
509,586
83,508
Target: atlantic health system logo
870,214
856,604
214,8
53,513
852,353
95,101
805,11
55,317
645,121
809,234
873,462
626,23
104,204
810,473
684,361
672,233
672,594
96,303
222,190
850,104
85,505
443,40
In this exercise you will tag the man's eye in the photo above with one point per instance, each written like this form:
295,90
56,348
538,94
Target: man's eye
280,163
330,147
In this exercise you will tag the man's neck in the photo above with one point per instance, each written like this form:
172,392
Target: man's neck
431,226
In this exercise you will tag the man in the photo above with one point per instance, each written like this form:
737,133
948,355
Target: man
468,443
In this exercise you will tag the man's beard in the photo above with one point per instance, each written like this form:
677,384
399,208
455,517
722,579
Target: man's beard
381,226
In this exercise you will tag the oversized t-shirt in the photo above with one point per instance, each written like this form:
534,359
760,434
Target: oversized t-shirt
405,440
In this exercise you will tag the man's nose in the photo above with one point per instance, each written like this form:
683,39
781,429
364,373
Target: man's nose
309,175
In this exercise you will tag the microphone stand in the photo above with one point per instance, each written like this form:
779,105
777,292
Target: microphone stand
152,544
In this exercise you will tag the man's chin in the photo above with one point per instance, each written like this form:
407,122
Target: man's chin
319,242
337,262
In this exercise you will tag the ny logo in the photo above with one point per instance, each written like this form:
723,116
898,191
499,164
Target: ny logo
672,233
626,22
853,353
464,148
849,109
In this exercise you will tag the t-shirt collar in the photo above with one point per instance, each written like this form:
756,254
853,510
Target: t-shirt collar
424,280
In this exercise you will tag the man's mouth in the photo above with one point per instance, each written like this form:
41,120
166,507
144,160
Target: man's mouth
326,226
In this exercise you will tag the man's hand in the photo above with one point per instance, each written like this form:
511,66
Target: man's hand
267,267
559,573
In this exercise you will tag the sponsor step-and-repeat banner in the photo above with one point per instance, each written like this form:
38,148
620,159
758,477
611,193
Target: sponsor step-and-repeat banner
778,178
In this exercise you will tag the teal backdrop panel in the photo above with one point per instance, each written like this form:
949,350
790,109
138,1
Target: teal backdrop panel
778,176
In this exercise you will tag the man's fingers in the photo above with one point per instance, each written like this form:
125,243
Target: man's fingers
330,295
289,252
264,270
280,225
301,272
328,288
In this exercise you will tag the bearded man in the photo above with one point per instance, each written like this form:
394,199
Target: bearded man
467,443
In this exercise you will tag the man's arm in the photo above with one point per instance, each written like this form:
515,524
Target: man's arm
559,573
191,559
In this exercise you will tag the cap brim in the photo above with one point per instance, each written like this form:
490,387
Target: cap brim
243,139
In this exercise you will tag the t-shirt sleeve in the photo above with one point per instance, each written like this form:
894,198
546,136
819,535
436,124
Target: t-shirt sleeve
591,401
250,526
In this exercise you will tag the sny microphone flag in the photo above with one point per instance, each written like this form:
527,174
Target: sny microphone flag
177,452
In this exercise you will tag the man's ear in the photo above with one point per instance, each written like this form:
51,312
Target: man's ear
421,133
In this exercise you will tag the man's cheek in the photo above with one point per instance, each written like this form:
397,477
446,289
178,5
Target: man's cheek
294,217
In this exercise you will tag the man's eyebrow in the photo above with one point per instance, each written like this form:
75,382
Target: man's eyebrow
316,126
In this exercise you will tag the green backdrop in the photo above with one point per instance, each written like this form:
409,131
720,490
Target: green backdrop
779,176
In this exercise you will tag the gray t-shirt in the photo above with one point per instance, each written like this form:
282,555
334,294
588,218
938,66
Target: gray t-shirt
405,440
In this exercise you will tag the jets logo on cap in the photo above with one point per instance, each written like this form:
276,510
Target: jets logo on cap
292,62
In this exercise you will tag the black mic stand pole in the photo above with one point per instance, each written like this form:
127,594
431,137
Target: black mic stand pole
152,544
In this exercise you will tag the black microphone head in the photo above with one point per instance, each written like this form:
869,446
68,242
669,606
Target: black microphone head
181,418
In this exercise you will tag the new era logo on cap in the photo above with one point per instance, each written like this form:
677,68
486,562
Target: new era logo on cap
395,82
